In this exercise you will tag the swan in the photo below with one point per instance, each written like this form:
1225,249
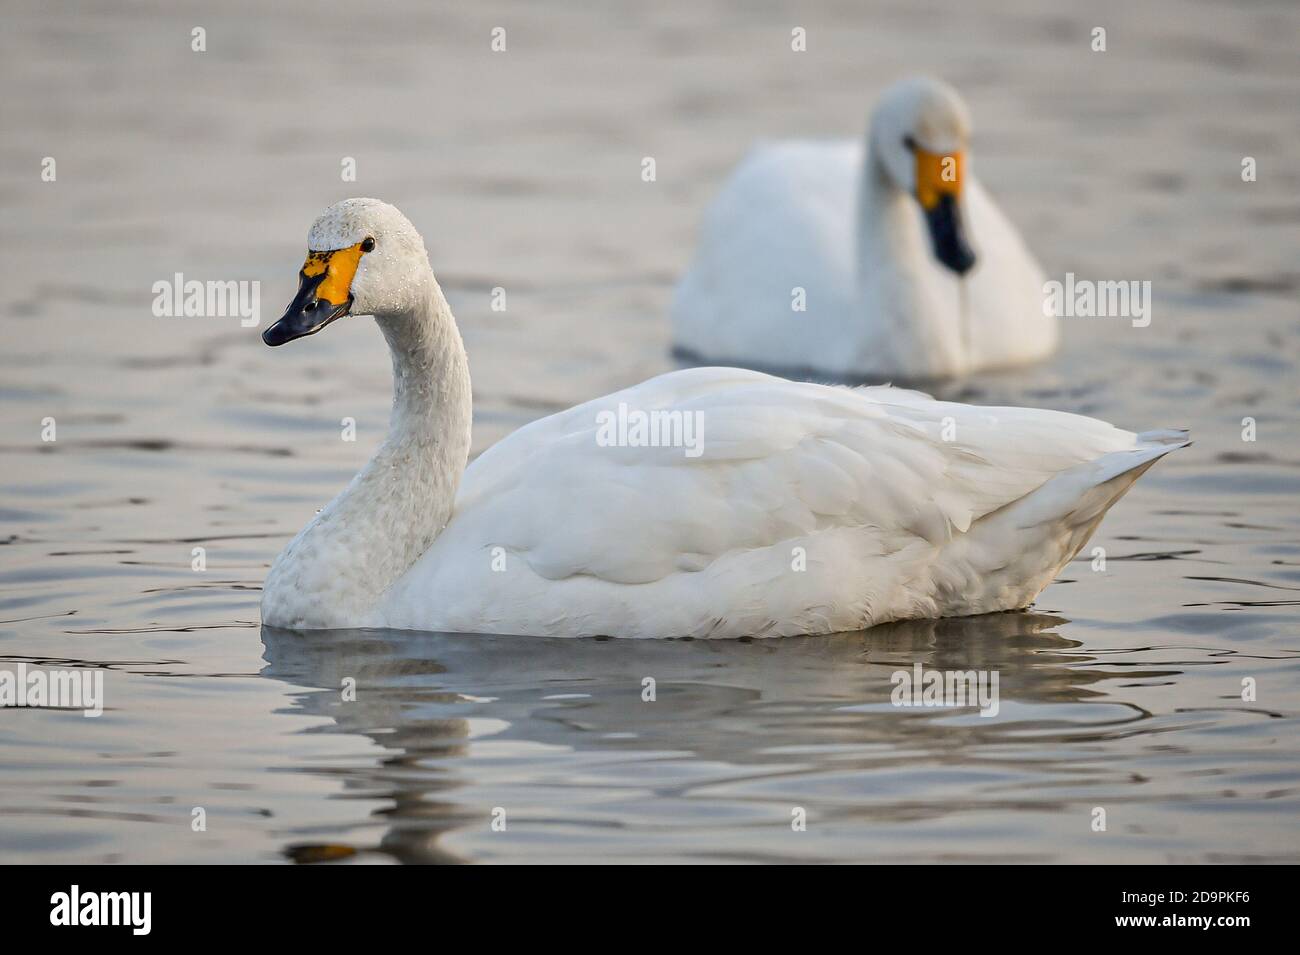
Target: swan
884,263
756,506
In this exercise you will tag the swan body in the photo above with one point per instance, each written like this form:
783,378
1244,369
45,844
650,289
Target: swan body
841,221
788,508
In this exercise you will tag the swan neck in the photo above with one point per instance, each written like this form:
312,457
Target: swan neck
335,573
882,209
419,466
899,284
430,371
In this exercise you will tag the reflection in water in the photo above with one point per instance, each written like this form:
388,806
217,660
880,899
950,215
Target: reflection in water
760,708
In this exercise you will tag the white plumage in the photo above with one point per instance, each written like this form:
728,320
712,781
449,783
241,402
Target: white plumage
838,223
808,509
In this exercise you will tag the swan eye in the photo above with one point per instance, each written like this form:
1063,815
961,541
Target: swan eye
909,143
368,244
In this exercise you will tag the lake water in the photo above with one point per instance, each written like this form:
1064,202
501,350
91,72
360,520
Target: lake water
1120,690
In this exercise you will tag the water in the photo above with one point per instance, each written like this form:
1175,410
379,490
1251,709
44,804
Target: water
1120,690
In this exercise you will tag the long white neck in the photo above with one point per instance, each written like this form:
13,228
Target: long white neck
334,572
903,289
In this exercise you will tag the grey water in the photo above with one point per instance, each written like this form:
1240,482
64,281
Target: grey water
1161,685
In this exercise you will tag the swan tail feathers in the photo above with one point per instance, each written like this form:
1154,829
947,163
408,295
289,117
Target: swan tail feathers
1012,554
1080,496
1132,463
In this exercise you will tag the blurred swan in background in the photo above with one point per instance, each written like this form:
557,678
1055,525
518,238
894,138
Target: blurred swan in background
710,502
884,263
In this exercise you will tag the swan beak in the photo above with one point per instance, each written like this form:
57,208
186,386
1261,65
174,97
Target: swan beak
323,297
938,189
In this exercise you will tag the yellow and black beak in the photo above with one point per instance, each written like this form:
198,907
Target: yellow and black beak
324,295
938,190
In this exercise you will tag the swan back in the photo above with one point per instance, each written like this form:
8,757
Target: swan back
564,535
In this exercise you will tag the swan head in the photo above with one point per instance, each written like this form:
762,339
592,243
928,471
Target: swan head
919,133
363,258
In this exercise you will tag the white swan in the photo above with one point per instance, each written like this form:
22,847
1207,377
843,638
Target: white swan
881,250
778,508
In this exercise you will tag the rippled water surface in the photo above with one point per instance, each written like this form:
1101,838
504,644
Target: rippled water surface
1121,689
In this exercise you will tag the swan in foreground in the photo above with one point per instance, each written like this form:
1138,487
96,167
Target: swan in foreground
709,502
906,268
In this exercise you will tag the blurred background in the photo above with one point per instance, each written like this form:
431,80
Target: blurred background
522,169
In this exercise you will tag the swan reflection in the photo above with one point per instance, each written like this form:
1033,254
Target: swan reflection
451,713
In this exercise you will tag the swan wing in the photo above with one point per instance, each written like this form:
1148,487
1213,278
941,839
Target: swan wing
772,460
